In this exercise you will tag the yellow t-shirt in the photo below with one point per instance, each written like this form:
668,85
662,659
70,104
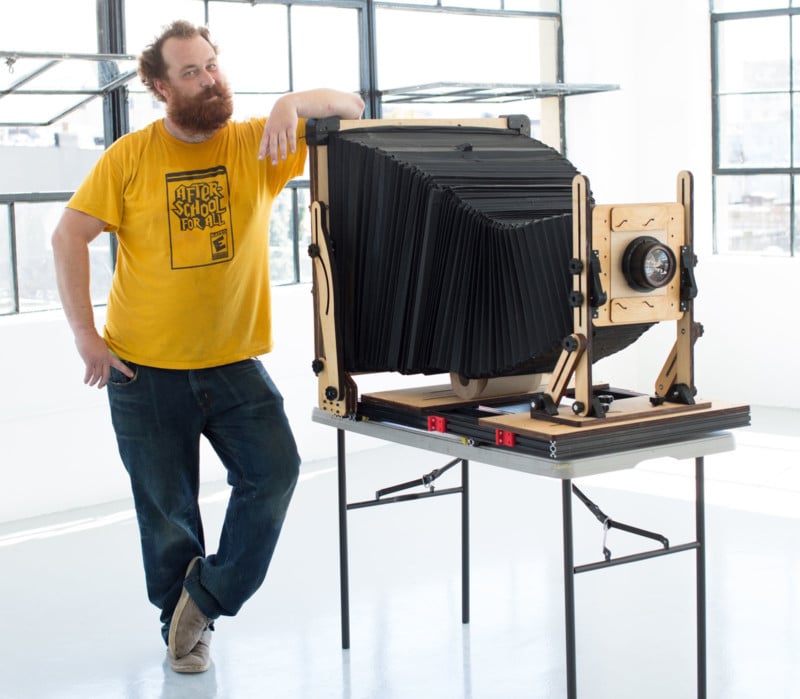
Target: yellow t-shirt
191,284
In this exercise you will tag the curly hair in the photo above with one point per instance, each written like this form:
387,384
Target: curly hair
152,66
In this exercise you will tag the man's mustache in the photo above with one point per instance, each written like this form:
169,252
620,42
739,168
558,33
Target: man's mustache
213,91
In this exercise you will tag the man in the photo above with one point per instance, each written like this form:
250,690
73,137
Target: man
189,198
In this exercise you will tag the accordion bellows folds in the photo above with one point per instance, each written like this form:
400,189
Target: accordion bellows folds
452,249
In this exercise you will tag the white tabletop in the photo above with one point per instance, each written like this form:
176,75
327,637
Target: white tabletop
455,446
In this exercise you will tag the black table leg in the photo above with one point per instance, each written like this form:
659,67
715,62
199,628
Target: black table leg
569,587
344,578
464,541
700,524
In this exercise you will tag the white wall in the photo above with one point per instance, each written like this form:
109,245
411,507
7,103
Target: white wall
57,447
631,144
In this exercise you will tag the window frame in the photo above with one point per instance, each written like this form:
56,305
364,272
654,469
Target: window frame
720,171
116,105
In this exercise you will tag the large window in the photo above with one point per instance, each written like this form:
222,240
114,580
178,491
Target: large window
49,142
469,56
309,46
38,151
756,88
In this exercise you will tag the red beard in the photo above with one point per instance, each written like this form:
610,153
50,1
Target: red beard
200,113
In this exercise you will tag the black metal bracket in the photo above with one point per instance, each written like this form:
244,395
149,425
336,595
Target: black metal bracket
317,130
681,393
609,523
520,123
688,290
424,481
543,403
597,297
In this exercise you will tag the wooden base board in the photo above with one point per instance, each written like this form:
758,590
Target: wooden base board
427,398
623,416
628,414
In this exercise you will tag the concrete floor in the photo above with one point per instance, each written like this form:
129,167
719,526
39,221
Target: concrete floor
77,624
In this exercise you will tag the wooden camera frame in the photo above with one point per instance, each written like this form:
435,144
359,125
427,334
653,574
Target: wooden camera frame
600,295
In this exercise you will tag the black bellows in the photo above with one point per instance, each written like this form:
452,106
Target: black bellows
452,249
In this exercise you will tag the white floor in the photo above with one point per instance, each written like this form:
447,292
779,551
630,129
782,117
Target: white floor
76,623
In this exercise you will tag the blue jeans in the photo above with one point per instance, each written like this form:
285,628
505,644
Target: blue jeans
159,416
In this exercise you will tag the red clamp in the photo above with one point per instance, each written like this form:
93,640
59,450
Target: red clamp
437,423
505,439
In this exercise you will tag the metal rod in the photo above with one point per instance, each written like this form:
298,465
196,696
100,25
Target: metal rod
465,542
401,498
12,249
606,521
636,557
700,523
425,480
655,536
569,587
68,56
34,197
416,483
28,78
344,579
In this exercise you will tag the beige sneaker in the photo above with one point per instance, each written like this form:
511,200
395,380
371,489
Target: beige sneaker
187,625
197,660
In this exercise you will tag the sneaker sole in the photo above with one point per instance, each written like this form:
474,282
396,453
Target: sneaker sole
187,669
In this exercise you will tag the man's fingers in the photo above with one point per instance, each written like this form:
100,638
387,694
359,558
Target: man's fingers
283,145
277,146
94,376
119,365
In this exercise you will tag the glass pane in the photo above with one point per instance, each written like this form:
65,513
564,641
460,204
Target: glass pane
460,48
281,239
62,75
753,54
37,85
530,108
796,52
37,282
754,131
325,48
143,109
50,25
304,232
796,131
752,214
237,28
6,280
247,106
51,159
796,216
34,110
145,18
34,226
102,269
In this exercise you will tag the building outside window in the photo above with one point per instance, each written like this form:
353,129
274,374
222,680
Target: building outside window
756,136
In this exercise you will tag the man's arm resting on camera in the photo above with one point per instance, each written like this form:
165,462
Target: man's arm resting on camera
280,133
71,241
